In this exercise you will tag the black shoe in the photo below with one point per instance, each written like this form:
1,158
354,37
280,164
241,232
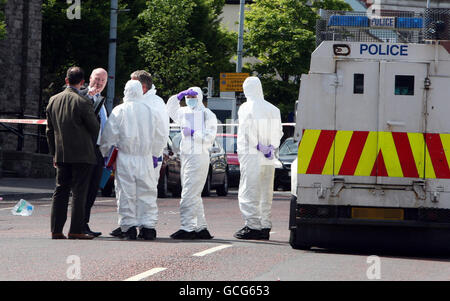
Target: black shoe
203,234
87,230
131,234
181,234
117,232
265,233
147,234
247,233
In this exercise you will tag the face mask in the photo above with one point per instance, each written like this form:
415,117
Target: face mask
191,102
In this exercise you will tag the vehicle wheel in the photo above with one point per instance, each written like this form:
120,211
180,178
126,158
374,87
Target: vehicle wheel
276,185
162,188
108,189
176,192
222,190
207,188
295,243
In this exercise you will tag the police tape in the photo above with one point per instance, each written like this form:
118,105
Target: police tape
44,122
25,121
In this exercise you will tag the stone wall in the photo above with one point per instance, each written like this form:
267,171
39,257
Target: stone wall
20,63
28,165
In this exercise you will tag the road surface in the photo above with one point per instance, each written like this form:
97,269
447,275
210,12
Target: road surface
28,253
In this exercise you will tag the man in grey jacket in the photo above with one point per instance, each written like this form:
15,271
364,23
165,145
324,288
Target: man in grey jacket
71,131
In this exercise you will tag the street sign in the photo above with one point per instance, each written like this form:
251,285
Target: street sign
232,82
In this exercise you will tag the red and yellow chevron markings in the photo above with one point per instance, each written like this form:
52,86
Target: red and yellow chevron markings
367,153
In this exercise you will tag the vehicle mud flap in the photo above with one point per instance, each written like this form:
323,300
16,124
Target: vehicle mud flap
292,212
296,240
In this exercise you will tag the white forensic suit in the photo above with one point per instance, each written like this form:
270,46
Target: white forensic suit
194,158
158,108
259,123
131,128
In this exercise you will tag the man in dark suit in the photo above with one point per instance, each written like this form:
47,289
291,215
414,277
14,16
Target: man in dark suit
71,131
97,82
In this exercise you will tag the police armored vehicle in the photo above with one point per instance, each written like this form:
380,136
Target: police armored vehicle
373,126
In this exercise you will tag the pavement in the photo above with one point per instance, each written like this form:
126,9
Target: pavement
12,189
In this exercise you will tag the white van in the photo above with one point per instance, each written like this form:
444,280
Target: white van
373,125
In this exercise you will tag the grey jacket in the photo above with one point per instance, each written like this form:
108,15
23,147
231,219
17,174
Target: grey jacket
72,128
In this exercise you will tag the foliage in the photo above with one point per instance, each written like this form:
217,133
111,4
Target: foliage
184,43
85,42
2,20
281,35
179,41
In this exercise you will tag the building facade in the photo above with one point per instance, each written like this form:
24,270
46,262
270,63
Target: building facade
20,65
405,5
20,97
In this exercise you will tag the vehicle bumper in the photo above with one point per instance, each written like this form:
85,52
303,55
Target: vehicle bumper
373,235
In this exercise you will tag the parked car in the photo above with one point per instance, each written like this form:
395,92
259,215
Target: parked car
170,180
229,144
287,153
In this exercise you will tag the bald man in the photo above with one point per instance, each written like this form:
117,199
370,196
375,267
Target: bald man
97,83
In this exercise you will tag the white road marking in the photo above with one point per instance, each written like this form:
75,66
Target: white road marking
145,274
6,208
212,250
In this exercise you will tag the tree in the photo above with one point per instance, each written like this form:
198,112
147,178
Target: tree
281,35
184,43
85,42
171,39
2,20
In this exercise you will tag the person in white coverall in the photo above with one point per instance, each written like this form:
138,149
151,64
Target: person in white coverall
199,127
259,134
131,127
158,106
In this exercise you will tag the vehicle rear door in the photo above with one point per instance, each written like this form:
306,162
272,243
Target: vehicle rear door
356,140
402,105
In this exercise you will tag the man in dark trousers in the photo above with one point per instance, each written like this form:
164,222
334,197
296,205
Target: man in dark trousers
72,128
97,82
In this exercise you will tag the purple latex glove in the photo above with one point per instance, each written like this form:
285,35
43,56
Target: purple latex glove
155,161
266,150
184,93
187,131
269,155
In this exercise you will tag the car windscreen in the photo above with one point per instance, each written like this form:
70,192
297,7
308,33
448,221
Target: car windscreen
173,133
289,147
228,143
176,141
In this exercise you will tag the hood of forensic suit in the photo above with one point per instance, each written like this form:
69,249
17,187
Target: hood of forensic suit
133,91
253,89
152,91
199,105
